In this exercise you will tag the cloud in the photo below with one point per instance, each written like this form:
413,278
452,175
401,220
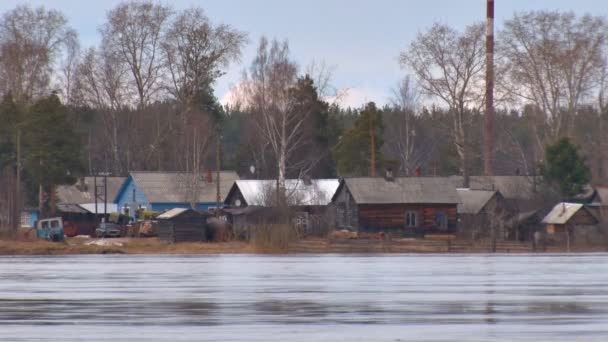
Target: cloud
353,97
356,97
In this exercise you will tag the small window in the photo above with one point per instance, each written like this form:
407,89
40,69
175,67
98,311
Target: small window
54,224
411,219
441,219
133,195
300,221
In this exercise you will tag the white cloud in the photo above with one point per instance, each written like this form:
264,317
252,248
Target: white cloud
354,97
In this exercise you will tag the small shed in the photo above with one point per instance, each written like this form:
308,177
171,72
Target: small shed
481,212
573,223
183,225
404,205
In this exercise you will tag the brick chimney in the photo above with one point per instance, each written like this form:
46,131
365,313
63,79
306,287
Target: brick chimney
209,176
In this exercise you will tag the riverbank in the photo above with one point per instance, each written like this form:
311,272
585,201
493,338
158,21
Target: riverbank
313,246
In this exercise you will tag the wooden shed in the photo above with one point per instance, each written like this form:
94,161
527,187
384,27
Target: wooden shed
573,223
482,213
183,225
406,205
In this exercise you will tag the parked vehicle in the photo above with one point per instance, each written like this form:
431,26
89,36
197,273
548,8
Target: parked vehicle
50,229
108,229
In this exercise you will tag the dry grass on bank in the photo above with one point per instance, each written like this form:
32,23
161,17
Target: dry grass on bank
118,246
273,238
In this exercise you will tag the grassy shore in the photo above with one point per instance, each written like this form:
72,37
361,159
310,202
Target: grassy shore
117,246
74,246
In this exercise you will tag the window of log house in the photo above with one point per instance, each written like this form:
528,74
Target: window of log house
411,219
441,219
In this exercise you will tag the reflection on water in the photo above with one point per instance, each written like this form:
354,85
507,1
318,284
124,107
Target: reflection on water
304,298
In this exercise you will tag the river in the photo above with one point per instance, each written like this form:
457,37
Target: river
304,298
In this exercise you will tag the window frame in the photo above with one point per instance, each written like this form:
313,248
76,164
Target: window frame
411,215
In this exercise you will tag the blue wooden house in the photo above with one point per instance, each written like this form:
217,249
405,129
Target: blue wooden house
161,191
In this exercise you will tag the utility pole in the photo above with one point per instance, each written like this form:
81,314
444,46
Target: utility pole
218,152
95,192
372,139
17,205
105,194
488,122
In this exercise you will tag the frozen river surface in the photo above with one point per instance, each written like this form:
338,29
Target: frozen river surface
305,298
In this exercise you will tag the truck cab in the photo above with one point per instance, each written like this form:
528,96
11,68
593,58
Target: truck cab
50,229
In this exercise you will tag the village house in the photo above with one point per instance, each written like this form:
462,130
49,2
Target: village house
308,199
519,192
161,191
483,214
572,223
77,206
413,205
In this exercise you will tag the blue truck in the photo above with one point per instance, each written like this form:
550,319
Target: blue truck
50,229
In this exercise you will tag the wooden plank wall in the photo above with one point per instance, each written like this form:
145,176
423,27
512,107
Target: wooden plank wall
392,216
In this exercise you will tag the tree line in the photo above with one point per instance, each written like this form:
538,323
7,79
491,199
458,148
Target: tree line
144,99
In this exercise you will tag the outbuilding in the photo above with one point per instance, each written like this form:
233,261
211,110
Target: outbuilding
483,213
573,223
183,225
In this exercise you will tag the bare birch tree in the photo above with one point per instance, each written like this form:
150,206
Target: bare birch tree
101,83
449,66
268,94
554,61
31,39
197,53
401,132
133,32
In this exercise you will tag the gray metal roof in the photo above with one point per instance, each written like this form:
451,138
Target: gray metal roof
180,187
298,192
562,212
413,190
84,190
473,201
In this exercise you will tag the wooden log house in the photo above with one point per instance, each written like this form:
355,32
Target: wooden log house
406,205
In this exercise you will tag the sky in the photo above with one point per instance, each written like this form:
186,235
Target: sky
360,39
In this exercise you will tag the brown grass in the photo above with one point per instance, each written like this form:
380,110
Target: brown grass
273,238
129,246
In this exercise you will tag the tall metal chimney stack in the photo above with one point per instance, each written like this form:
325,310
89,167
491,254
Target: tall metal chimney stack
488,122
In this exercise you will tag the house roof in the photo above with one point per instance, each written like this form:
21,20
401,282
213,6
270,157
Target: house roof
298,191
473,201
86,208
602,194
171,213
175,212
84,191
180,187
510,187
562,212
422,190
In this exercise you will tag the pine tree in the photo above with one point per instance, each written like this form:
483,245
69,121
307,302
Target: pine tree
358,152
565,168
